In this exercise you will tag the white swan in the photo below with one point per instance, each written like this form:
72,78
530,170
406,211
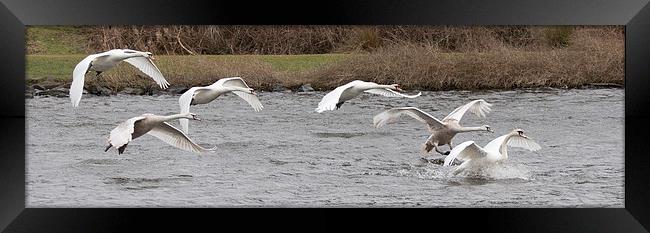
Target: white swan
156,126
101,62
338,96
441,131
204,95
475,157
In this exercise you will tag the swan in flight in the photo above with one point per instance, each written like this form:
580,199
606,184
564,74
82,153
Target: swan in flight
473,156
101,62
156,126
441,131
204,95
338,96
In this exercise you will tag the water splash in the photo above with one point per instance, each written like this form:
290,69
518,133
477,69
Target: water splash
495,172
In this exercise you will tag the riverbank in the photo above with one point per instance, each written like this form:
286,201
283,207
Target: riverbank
412,67
419,58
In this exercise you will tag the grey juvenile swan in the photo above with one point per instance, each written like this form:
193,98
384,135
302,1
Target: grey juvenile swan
101,62
441,131
476,157
204,95
338,96
156,126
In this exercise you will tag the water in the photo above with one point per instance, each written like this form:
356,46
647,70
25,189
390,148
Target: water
288,155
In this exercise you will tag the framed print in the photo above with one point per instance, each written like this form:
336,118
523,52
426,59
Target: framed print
517,115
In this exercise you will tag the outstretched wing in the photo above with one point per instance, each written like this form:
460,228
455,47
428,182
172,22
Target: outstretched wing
391,93
147,66
464,151
500,144
251,99
78,76
122,134
248,97
184,102
176,138
232,81
329,101
392,115
478,107
521,142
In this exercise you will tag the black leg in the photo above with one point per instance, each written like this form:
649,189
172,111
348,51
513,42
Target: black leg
121,149
339,105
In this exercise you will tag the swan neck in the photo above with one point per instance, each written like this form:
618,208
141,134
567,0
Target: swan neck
124,56
472,129
385,86
231,88
240,89
177,116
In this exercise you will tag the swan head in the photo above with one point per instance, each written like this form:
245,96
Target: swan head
192,116
488,128
149,55
396,87
520,133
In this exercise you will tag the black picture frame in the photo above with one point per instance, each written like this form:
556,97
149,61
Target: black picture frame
633,14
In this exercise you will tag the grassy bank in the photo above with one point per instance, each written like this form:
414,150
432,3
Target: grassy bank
414,68
261,71
56,40
424,58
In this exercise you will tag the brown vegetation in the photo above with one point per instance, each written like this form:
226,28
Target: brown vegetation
418,57
207,39
596,56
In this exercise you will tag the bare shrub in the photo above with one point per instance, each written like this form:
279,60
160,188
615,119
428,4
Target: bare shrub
559,36
317,39
421,67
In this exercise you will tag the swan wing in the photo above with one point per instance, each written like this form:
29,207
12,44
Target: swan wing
392,115
251,99
390,93
147,66
330,100
122,134
465,151
172,136
248,97
78,76
478,107
521,142
232,81
496,144
184,102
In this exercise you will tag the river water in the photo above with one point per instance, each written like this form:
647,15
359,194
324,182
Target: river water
288,155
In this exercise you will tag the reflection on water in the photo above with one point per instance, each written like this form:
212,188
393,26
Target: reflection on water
288,155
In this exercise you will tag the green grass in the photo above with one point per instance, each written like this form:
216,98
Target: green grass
59,67
297,63
55,40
